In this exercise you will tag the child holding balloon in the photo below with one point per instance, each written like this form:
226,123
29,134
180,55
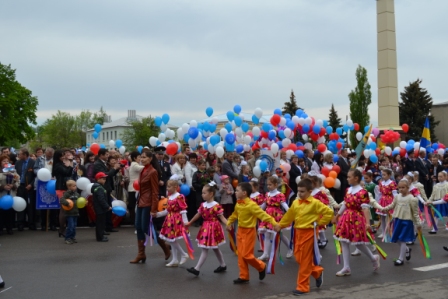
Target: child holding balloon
68,203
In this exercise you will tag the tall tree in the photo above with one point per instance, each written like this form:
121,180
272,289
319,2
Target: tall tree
415,105
333,119
140,131
291,106
60,130
360,99
17,108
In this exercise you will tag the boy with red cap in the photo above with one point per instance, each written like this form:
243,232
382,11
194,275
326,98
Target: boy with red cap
100,205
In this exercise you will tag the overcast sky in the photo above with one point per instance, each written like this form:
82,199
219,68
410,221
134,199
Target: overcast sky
178,57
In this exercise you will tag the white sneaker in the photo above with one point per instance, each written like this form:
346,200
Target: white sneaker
264,257
376,263
135,232
356,252
289,254
184,258
173,263
380,236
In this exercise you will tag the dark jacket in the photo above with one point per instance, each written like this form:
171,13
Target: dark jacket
29,175
165,176
100,204
409,165
423,171
100,166
293,174
433,174
227,169
73,196
62,174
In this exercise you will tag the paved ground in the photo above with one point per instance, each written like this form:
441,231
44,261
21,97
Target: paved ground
40,265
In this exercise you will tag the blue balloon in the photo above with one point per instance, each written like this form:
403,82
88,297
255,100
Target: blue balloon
193,132
119,211
290,124
287,116
304,115
209,111
430,150
230,147
299,144
212,128
306,128
206,146
339,131
325,123
88,144
200,126
237,109
263,166
83,148
165,118
280,144
186,137
255,119
299,153
281,134
345,127
299,112
271,135
435,146
118,143
6,202
335,158
230,115
329,130
409,147
230,138
51,187
266,127
98,128
184,189
228,127
238,121
373,159
411,142
278,111
206,127
366,129
395,152
140,148
215,139
316,129
245,127
102,145
159,143
158,121
372,145
95,135
239,148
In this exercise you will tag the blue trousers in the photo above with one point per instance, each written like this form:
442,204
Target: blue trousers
142,222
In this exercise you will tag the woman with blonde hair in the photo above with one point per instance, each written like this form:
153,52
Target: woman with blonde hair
178,167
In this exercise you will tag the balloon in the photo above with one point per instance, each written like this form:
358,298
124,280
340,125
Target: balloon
139,149
118,143
172,149
375,131
81,202
316,129
336,168
258,113
339,131
6,202
299,154
82,183
102,146
271,135
405,127
441,151
119,211
335,158
158,121
51,187
98,128
44,175
193,123
274,148
337,184
165,118
403,144
122,149
278,112
263,166
19,204
275,119
70,205
333,174
373,159
329,130
238,121
136,185
349,123
219,152
256,171
286,167
321,147
245,127
209,111
305,128
95,135
237,109
184,189
230,138
359,136
119,203
193,132
111,143
325,171
356,125
89,189
329,182
230,115
387,150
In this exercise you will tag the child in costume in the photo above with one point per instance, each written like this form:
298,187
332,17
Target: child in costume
247,212
275,201
388,190
405,216
444,200
173,226
305,212
259,199
211,234
322,196
419,186
438,192
354,222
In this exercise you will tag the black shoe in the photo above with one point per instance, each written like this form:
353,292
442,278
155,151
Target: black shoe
240,281
105,239
297,293
445,247
2,285
323,244
111,230
262,273
431,232
106,233
220,269
20,228
408,254
9,232
193,271
398,263
74,241
320,280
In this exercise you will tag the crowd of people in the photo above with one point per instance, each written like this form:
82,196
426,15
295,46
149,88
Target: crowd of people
198,188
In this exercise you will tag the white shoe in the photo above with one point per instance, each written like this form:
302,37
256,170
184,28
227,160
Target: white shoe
356,252
344,272
184,258
289,254
173,263
376,263
264,257
135,232
380,236
372,248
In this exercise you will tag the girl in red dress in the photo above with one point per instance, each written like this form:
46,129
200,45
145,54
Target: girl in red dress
388,190
211,234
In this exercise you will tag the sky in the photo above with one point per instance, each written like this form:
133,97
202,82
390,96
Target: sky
181,56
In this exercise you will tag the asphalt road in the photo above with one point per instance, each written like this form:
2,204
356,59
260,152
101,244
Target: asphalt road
37,264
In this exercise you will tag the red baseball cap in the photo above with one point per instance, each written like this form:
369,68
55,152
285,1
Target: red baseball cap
100,175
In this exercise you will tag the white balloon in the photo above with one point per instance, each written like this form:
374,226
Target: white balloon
185,128
180,133
223,132
416,145
111,143
89,189
162,137
321,139
239,132
286,142
247,148
170,134
308,120
119,203
441,151
295,119
359,136
219,152
192,143
282,121
367,153
247,139
297,181
287,132
258,113
308,146
257,163
215,120
320,123
165,144
301,121
403,144
397,148
193,123
274,148
256,131
388,150
199,138
44,175
19,204
122,149
82,183
256,171
349,123
84,193
337,184
153,141
163,128
322,177
305,137
289,154
211,149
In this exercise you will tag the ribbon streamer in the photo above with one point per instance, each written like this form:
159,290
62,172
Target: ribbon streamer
278,250
437,213
424,245
273,253
338,247
291,241
232,241
316,248
378,248
151,234
187,240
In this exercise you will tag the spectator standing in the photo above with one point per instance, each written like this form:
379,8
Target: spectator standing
25,169
46,161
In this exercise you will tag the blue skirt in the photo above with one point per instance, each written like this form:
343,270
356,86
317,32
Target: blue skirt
403,231
443,209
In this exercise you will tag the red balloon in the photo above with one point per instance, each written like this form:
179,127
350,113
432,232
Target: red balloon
325,171
377,151
275,120
136,185
322,132
403,152
321,147
255,146
264,134
339,145
172,149
94,148
337,168
373,138
405,127
356,126
292,147
302,148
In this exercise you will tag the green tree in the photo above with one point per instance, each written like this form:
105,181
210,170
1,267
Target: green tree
60,130
415,105
86,120
360,99
17,108
139,132
333,119
291,106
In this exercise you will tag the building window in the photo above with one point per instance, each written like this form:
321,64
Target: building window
107,135
115,135
103,136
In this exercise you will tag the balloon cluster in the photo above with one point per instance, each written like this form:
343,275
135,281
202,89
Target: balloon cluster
390,136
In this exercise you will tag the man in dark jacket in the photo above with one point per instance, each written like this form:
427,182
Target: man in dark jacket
344,164
421,165
227,168
434,169
100,205
166,170
100,165
409,162
25,169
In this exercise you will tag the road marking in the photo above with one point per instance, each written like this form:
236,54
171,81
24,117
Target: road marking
433,267
5,290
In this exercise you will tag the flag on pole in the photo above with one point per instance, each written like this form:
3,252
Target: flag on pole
425,141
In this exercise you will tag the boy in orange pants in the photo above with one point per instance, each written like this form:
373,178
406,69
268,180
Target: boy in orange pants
304,212
247,212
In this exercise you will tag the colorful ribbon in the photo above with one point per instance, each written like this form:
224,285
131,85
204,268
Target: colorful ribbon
151,234
188,244
232,241
280,258
291,241
437,213
273,254
337,244
316,247
424,245
378,248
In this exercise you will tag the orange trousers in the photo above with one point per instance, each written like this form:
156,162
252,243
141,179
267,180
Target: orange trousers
245,243
304,252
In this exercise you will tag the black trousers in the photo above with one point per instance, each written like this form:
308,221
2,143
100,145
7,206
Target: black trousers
7,219
100,226
131,206
109,224
30,212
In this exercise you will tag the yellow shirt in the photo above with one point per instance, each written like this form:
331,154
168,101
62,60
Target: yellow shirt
247,212
304,212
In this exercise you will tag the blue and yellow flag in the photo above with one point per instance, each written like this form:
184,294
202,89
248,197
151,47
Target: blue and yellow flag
425,141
